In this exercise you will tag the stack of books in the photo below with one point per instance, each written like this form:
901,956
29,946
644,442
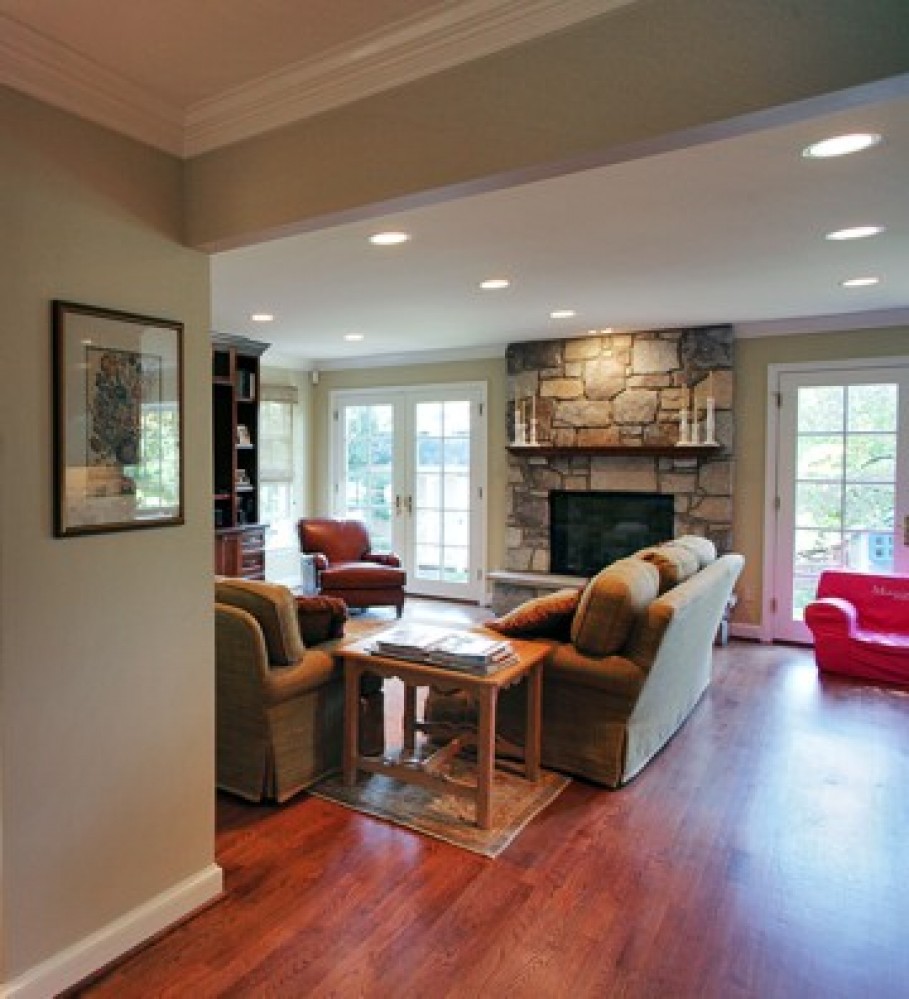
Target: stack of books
440,647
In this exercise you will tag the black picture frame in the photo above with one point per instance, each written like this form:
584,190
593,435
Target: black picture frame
118,420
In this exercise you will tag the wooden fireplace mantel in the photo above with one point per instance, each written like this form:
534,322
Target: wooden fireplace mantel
615,450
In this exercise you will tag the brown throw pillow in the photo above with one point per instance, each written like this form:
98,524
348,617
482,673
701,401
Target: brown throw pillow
543,617
320,618
608,608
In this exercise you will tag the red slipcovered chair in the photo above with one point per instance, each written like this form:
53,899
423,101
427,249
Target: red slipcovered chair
860,623
346,566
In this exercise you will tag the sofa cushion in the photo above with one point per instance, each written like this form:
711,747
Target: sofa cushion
361,576
609,605
274,608
703,548
549,616
675,563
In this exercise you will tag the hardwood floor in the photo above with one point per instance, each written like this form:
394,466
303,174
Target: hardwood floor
762,854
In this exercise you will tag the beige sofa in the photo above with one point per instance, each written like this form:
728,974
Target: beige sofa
631,664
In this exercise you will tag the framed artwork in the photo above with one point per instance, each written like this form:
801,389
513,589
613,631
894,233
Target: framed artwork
118,420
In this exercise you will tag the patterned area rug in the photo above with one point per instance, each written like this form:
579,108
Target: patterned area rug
447,817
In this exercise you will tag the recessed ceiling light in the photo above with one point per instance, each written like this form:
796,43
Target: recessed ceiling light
494,284
353,337
856,232
262,317
841,145
562,314
860,282
389,238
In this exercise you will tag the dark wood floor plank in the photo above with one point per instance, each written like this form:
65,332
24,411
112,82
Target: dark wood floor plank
761,855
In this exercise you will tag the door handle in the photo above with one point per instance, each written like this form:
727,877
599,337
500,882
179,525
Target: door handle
906,530
409,504
398,506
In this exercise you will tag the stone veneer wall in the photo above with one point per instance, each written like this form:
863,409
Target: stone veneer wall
627,389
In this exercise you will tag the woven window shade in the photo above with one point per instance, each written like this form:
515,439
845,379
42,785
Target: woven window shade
279,393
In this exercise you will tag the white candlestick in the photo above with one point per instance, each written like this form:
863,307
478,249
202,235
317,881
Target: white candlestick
683,427
695,427
709,422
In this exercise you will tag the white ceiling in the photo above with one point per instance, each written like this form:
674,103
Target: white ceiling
727,231
730,230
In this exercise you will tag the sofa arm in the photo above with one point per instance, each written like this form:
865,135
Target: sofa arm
383,558
831,614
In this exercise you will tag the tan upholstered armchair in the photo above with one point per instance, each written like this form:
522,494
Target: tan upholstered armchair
348,568
279,703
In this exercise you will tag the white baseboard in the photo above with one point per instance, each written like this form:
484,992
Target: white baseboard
749,632
72,965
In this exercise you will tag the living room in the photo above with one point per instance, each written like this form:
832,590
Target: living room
107,652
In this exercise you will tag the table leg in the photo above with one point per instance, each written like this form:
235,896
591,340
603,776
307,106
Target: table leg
486,754
532,722
352,674
408,747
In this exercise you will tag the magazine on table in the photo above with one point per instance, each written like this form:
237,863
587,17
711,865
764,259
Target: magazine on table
442,647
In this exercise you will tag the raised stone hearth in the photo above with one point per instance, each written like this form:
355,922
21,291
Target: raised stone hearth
619,389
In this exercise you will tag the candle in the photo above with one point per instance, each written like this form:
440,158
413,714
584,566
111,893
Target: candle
710,386
533,408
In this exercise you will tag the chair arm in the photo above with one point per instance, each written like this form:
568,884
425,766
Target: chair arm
314,669
831,614
319,560
383,558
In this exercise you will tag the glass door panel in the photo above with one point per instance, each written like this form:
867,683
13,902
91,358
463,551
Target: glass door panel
843,482
442,508
368,469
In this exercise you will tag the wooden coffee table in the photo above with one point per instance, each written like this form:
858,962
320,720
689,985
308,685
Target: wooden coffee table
432,773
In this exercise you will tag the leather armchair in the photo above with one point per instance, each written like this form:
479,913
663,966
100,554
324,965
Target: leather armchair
348,568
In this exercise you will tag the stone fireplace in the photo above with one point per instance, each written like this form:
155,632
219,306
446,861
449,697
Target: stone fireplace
608,410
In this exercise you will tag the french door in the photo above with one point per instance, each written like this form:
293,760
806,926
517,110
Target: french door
842,481
412,464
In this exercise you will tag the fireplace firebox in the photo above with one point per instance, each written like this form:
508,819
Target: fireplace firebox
588,530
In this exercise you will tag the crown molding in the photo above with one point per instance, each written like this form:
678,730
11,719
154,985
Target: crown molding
381,61
63,78
60,76
830,323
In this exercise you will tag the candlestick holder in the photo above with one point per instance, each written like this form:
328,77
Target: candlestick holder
683,428
520,431
532,439
709,422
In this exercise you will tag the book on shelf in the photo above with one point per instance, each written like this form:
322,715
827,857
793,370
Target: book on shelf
442,647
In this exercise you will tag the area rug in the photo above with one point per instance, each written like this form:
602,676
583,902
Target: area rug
515,802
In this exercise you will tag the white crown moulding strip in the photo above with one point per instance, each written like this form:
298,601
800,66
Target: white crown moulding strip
59,76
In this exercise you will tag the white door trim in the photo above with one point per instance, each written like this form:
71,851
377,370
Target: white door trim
771,465
477,391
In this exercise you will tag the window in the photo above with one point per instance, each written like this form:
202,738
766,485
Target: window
276,465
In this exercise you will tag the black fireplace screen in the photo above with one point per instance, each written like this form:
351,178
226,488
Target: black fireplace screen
589,530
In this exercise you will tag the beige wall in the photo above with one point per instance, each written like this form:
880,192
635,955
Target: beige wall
753,357
599,92
106,654
491,371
